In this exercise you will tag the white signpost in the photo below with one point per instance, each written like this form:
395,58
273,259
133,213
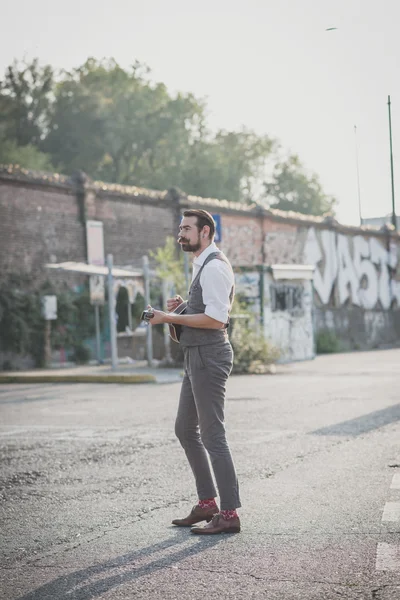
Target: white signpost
95,256
49,312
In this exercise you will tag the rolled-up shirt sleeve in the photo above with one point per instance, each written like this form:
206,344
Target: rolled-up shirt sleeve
217,280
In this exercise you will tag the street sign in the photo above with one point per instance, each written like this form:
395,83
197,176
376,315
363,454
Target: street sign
95,256
95,243
49,308
97,290
218,228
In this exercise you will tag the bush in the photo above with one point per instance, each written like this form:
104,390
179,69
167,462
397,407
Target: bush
327,342
22,324
253,353
81,354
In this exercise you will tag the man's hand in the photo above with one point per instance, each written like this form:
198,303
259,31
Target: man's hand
159,316
173,303
200,321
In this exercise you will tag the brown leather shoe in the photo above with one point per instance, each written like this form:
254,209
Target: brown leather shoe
196,516
218,525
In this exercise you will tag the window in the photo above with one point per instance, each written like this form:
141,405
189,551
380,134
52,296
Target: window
286,296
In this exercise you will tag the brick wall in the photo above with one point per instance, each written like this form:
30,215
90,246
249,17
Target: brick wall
131,229
38,225
42,223
42,219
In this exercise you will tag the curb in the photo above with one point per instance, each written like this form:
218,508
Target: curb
145,378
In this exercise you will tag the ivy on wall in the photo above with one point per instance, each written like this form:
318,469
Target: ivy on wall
22,323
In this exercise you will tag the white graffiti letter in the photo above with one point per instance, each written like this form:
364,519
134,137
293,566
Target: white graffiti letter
380,256
313,256
347,275
368,296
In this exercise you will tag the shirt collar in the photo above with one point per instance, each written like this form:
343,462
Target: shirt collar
199,260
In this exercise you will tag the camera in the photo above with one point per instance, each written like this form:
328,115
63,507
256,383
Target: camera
147,315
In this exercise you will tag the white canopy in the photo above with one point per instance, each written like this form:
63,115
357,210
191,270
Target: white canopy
293,271
85,269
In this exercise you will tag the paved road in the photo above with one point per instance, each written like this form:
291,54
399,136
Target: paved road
91,476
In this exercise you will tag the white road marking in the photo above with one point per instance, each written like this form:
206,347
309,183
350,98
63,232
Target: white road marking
395,482
391,512
387,557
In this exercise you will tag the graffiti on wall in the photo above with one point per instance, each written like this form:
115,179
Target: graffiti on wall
288,323
248,285
360,269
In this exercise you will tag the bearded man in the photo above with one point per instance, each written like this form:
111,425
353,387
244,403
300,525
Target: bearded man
208,360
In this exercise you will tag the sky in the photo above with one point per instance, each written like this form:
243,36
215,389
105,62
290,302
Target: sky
267,65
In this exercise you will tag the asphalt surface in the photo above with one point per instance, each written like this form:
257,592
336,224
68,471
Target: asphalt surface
92,475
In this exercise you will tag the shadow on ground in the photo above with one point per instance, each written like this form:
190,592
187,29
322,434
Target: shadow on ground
77,585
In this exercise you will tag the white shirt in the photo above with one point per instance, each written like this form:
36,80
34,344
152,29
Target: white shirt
216,280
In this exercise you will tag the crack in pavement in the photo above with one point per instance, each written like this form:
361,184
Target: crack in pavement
141,517
273,580
346,586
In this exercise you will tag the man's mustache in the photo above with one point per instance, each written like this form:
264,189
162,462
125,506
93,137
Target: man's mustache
182,241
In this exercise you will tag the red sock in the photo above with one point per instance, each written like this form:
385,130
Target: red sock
209,503
228,514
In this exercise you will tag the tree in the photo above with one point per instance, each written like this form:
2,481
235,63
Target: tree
291,188
117,125
228,165
28,157
169,264
25,99
120,126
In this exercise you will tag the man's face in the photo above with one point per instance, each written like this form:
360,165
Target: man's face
189,235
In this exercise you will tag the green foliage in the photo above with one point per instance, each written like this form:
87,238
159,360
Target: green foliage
291,188
253,353
20,318
81,354
327,342
22,324
170,265
121,308
25,101
136,309
228,165
119,125
28,157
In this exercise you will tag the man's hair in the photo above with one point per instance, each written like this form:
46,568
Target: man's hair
203,218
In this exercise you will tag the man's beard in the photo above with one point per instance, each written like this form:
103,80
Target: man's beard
187,247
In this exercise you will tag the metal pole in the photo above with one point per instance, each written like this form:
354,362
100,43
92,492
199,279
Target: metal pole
47,343
111,313
97,319
358,176
167,339
149,332
394,220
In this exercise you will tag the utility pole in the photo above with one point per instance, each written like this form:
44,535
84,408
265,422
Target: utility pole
149,331
358,176
111,313
394,220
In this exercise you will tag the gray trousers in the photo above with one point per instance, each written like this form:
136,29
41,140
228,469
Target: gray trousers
200,421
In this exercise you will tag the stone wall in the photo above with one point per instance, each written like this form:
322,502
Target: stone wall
357,276
38,225
43,217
